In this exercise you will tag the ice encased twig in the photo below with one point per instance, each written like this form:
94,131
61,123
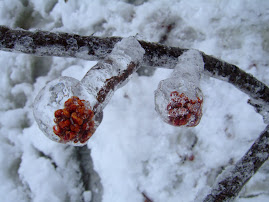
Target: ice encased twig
127,51
63,94
178,99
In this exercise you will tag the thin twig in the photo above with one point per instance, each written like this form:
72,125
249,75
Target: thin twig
42,43
238,175
111,83
90,178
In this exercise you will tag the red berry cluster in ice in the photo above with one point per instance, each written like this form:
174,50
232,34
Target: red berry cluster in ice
184,111
74,123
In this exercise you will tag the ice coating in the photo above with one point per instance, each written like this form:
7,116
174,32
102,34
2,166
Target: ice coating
53,97
189,69
69,111
114,71
127,50
178,99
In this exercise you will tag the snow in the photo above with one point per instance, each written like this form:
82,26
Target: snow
133,151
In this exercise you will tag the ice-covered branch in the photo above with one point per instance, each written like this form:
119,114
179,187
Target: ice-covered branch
42,43
90,178
234,178
69,111
258,91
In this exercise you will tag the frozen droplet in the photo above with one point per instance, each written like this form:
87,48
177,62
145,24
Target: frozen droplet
69,111
53,97
178,99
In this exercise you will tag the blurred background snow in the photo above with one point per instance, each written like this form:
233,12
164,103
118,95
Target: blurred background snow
133,153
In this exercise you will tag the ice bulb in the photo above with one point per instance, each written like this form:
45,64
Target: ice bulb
69,111
64,111
178,99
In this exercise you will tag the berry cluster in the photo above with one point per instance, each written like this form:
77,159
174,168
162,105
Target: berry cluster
183,111
74,122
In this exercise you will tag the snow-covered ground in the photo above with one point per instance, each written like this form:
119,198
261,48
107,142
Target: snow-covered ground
133,151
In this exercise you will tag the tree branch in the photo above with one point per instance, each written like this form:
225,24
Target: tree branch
43,43
90,178
237,176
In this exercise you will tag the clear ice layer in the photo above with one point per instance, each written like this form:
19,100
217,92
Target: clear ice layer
60,121
53,97
178,99
125,52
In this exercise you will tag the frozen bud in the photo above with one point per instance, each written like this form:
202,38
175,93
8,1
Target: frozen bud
69,111
61,109
178,99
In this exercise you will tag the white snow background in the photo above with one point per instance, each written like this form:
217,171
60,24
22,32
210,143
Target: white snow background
133,151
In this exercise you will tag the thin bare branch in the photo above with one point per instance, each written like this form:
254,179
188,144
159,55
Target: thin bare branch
238,175
42,43
90,178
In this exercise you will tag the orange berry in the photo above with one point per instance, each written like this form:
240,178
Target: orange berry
58,113
76,119
80,111
73,123
64,124
182,110
56,130
66,113
74,127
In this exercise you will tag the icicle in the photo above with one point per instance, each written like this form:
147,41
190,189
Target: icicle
178,99
69,111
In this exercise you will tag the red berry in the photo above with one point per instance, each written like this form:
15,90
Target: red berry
74,122
184,111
